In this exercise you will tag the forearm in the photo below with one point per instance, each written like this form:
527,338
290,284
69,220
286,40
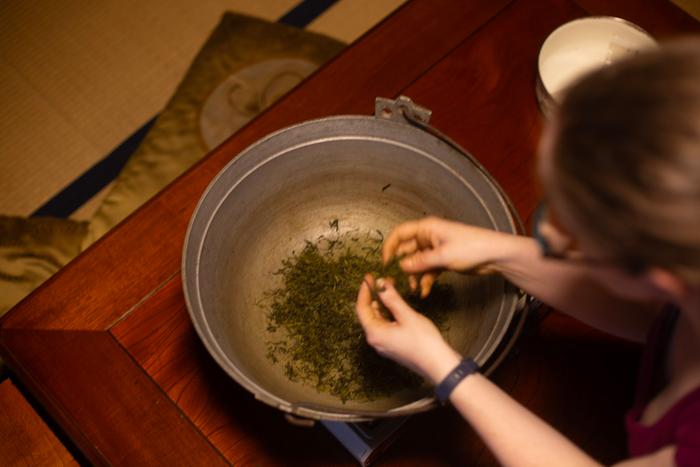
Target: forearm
516,436
570,289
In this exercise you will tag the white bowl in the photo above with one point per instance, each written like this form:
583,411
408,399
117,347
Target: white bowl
580,46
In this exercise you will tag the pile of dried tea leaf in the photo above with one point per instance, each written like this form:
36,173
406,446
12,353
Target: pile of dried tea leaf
315,333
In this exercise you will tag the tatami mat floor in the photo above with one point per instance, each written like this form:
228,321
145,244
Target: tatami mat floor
78,77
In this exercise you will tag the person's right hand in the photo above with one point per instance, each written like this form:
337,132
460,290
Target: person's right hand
411,339
431,244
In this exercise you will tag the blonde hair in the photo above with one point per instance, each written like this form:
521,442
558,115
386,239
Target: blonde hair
627,158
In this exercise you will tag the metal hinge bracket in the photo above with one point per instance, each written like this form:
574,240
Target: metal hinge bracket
402,110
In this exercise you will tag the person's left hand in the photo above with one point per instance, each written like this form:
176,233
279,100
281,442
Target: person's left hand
412,340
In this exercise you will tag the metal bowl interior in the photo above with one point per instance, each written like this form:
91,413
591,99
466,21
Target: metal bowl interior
368,173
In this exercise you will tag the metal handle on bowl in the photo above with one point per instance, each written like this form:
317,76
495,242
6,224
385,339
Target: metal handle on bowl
402,110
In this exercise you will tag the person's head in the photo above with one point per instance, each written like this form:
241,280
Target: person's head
620,165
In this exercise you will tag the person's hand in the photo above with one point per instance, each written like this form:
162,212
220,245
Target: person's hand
431,244
411,340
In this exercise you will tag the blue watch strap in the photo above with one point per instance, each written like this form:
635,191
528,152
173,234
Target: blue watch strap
465,368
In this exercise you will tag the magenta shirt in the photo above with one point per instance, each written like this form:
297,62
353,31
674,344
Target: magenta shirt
680,426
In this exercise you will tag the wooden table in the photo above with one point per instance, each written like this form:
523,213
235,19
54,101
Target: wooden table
107,347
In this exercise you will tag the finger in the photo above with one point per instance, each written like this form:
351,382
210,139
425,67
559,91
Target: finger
407,248
423,260
413,282
393,302
368,283
402,233
363,308
426,283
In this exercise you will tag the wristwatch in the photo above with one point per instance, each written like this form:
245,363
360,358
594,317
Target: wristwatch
465,368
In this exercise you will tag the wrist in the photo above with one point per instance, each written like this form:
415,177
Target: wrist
511,251
466,368
443,363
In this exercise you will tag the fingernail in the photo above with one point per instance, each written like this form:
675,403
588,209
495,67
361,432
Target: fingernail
381,285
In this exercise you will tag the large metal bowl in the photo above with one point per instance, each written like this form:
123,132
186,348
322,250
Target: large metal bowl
284,190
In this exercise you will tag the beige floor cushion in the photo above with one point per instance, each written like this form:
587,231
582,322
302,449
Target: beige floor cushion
243,68
31,250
